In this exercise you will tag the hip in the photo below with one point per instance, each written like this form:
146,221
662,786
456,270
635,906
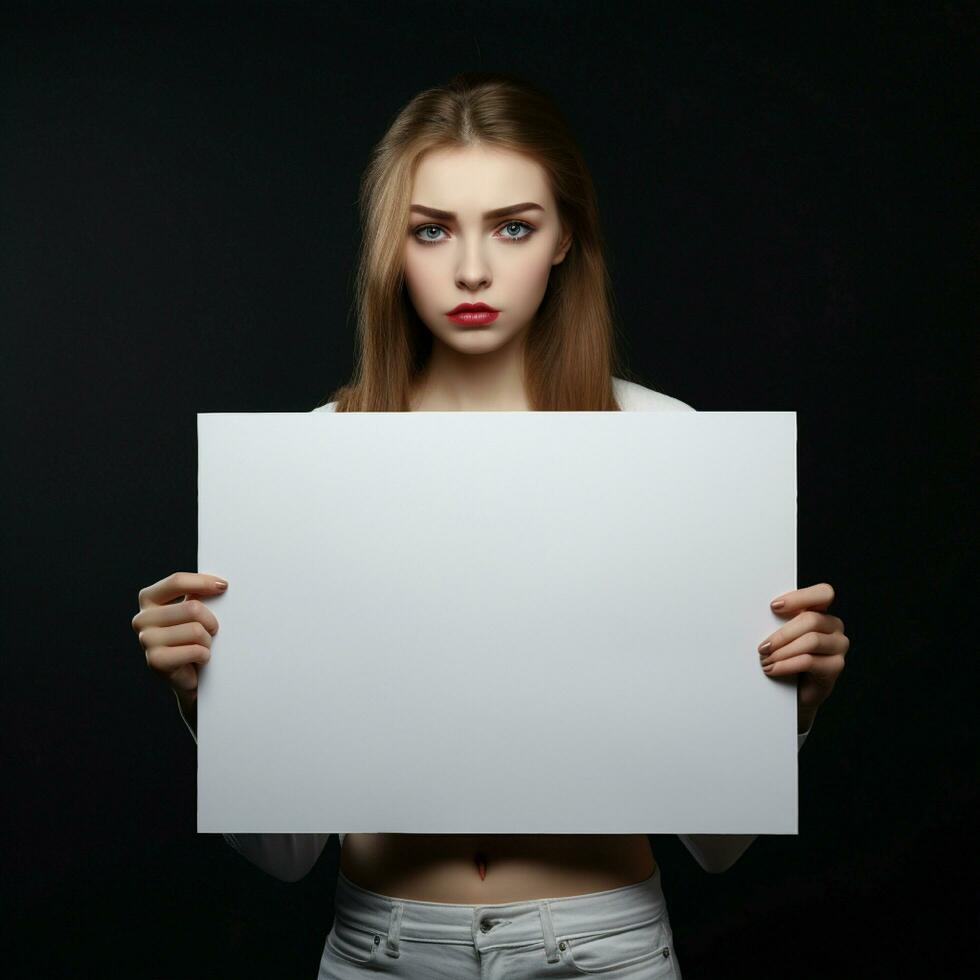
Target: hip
622,933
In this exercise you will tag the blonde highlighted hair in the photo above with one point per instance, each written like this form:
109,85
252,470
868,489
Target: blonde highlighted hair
570,350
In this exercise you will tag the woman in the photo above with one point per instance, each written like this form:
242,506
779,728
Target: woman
477,196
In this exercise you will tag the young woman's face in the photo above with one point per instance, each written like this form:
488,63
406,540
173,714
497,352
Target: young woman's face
466,255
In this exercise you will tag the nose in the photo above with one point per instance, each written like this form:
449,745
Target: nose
473,270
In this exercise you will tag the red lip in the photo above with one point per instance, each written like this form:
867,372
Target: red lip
472,308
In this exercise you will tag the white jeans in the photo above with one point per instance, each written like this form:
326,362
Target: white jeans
620,934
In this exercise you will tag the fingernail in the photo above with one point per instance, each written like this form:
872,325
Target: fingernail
220,584
764,648
768,669
777,603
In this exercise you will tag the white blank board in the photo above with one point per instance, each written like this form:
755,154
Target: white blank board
496,622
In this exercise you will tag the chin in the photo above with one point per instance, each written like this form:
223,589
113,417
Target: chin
473,339
483,346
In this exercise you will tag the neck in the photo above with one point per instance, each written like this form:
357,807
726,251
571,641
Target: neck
458,382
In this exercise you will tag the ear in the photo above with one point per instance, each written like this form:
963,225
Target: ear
563,246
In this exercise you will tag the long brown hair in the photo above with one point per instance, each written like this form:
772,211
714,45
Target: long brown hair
570,350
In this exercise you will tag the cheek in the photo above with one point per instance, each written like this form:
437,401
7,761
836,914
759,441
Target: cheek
530,273
420,279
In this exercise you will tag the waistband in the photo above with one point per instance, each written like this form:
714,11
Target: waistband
525,923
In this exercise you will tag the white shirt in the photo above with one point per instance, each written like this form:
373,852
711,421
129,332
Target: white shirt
291,856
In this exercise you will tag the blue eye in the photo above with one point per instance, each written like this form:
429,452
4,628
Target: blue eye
427,228
426,240
519,224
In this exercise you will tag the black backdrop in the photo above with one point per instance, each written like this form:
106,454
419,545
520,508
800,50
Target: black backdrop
786,202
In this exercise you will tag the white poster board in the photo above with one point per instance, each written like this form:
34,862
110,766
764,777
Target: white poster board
496,622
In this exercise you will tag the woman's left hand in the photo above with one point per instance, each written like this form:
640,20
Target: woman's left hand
812,643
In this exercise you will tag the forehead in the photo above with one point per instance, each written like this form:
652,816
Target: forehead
478,179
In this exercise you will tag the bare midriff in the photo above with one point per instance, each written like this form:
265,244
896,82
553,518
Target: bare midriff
518,867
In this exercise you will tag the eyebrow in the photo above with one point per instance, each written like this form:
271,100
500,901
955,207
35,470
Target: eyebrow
496,213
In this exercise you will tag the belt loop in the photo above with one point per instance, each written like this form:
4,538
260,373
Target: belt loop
548,932
394,929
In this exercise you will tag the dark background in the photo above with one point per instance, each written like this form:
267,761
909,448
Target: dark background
786,198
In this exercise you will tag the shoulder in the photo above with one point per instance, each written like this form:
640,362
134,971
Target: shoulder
633,397
329,407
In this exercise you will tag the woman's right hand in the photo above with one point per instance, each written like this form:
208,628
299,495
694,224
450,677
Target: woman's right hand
176,636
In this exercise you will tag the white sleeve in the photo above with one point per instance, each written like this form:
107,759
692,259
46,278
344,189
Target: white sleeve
287,857
180,708
718,852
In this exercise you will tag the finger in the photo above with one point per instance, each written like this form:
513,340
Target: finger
167,660
820,644
814,597
184,678
179,584
807,621
181,612
176,636
825,669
